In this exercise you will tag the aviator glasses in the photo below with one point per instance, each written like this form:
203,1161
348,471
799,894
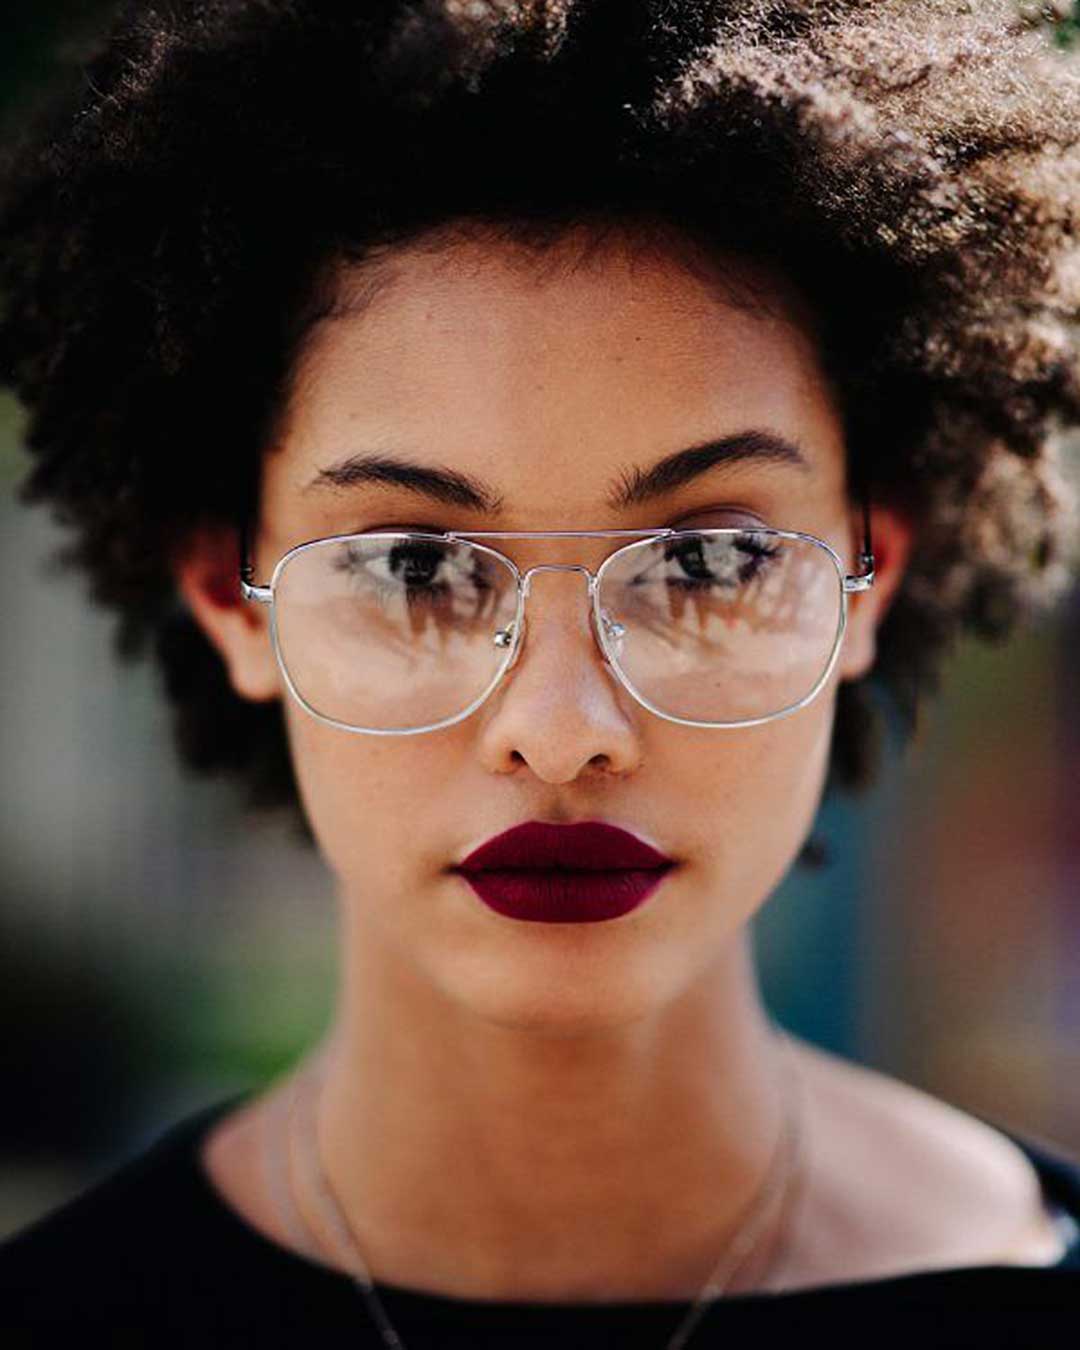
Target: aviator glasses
398,632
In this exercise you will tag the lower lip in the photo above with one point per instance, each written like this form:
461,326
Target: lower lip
565,897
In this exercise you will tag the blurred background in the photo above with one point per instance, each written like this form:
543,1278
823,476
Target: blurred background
161,947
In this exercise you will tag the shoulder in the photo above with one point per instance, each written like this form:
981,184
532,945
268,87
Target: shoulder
900,1181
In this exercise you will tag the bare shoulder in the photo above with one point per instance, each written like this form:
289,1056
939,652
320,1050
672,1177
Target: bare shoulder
899,1180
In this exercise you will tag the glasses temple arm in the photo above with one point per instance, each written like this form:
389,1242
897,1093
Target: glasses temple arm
248,588
866,557
247,571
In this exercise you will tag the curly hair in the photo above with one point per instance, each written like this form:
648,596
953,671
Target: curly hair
168,229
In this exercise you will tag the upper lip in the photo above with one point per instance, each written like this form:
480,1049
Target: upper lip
586,846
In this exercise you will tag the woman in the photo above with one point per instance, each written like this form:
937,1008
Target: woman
521,431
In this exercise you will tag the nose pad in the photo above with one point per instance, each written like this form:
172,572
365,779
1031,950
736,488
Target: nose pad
614,631
505,636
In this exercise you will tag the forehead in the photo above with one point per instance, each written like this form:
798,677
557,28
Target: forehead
653,285
502,355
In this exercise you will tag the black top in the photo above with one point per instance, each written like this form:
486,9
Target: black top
152,1256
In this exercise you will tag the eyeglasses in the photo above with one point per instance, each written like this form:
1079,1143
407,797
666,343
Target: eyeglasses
392,633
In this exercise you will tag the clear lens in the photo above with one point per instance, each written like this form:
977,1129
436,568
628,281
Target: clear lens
401,632
392,632
722,626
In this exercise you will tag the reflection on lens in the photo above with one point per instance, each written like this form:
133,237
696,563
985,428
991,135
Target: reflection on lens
391,632
725,625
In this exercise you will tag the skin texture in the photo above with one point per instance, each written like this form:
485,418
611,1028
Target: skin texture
518,1110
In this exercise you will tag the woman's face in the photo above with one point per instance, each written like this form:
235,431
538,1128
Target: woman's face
550,383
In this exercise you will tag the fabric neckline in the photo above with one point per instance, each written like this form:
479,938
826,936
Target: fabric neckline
1059,1175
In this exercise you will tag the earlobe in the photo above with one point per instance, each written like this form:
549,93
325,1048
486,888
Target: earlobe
892,537
207,573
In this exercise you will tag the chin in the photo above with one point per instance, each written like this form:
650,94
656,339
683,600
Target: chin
560,992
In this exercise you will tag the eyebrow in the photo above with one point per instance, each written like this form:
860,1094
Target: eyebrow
634,485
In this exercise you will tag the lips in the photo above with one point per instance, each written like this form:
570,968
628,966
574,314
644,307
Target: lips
564,873
588,846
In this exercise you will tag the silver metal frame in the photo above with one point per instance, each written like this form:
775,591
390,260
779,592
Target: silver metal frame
602,629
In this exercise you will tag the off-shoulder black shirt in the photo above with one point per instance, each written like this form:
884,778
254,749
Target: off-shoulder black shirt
151,1255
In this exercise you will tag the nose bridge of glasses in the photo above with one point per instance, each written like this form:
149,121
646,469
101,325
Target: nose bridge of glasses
590,579
527,575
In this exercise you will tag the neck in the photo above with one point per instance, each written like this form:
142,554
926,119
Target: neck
484,1160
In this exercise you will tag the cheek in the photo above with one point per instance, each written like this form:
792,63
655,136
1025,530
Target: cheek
368,798
766,791
382,808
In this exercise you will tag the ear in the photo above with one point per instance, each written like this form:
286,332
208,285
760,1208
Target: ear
892,534
207,572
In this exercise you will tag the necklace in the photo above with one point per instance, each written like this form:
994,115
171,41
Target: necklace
774,1192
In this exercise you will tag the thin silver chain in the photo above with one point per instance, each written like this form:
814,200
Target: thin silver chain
777,1186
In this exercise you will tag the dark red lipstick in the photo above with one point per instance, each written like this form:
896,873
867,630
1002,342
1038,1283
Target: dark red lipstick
564,873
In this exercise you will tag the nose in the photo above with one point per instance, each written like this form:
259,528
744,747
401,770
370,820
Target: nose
554,712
